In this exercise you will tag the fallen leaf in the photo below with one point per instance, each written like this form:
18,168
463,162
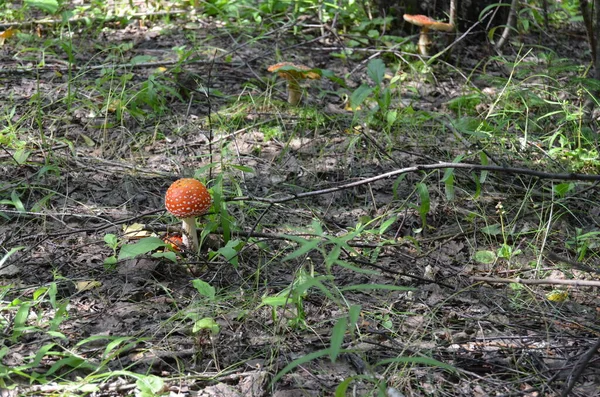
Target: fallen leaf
87,285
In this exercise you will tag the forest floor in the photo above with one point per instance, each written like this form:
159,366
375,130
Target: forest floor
380,275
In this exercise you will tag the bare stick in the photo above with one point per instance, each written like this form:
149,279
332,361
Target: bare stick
424,167
545,281
579,367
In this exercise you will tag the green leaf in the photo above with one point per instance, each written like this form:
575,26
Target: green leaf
140,59
299,361
39,292
505,251
145,245
20,320
484,161
476,178
448,178
474,127
385,225
492,230
305,247
486,257
278,300
396,184
230,251
341,389
208,324
170,255
353,315
16,201
9,253
56,334
372,33
359,95
59,316
331,76
89,142
337,338
449,184
242,168
417,360
115,343
49,6
41,353
21,156
425,202
111,240
391,117
150,385
332,256
376,71
563,188
204,288
356,269
72,362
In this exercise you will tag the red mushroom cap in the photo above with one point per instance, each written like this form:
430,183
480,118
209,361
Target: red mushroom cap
419,20
426,22
187,197
174,242
291,71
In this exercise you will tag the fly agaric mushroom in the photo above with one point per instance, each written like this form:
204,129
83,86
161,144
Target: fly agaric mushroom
427,23
293,74
174,242
187,198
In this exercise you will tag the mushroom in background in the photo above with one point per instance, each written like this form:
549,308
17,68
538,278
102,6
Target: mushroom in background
188,198
293,74
427,23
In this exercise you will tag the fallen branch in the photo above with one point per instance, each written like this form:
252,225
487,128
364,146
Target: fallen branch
424,167
579,367
545,281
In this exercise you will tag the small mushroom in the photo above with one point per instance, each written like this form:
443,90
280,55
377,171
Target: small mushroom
188,198
427,23
174,242
293,74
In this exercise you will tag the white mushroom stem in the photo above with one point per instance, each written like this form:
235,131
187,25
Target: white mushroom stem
294,92
424,41
190,235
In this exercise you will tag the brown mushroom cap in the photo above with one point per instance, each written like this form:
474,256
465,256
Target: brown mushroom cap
428,23
187,197
290,71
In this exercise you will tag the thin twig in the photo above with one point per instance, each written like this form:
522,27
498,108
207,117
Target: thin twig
545,281
579,367
210,126
425,167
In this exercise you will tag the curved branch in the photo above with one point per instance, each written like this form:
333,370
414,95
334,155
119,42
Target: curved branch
425,167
